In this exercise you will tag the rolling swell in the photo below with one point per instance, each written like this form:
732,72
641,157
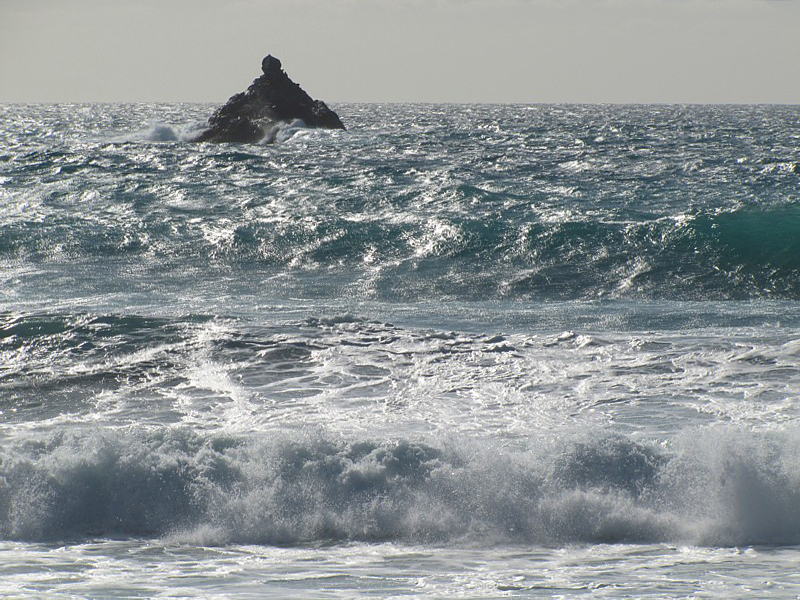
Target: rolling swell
463,202
745,253
725,487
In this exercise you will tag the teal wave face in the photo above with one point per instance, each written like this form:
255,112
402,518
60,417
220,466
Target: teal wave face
757,239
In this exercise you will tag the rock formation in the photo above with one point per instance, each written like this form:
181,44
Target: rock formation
249,116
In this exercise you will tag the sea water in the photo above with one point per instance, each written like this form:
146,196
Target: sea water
470,351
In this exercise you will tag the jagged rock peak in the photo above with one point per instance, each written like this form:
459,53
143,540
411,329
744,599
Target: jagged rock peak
273,97
270,64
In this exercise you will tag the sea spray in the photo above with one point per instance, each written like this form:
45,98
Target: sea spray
717,486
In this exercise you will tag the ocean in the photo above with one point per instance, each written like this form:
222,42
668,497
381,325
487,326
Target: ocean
475,351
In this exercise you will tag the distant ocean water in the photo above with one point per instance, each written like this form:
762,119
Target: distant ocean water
474,351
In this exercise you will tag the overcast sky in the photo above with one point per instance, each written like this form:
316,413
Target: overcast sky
404,50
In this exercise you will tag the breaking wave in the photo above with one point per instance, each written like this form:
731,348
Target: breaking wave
724,487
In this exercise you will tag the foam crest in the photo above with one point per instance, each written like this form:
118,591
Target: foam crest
282,132
719,486
155,132
159,132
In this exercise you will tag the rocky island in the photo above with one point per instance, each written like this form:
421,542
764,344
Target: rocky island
272,98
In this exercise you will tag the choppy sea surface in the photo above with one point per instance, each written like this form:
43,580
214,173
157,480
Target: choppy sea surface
453,351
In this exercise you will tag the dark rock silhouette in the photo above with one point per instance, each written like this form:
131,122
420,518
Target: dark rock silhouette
250,116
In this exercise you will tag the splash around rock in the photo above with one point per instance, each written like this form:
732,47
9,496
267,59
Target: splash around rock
247,117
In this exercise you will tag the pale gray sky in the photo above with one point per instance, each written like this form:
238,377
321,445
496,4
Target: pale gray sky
404,50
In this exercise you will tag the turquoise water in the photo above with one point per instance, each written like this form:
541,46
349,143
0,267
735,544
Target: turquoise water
486,351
